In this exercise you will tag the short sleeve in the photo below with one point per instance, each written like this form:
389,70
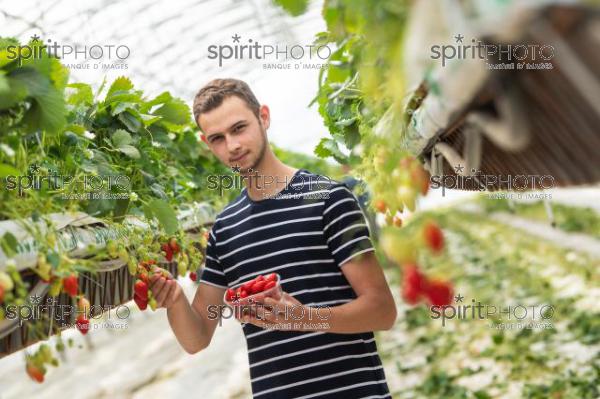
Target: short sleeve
344,225
212,272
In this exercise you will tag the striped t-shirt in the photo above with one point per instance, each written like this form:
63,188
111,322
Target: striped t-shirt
305,233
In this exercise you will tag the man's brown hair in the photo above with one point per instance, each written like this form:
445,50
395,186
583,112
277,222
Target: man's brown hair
211,96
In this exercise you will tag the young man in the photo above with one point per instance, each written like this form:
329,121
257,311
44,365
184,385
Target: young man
308,229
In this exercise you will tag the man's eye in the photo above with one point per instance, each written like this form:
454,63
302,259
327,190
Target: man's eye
239,128
216,139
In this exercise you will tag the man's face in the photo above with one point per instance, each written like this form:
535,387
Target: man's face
234,134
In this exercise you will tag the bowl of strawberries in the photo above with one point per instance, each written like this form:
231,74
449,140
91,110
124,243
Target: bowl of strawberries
255,290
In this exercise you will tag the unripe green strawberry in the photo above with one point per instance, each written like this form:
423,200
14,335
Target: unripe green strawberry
204,241
43,267
6,282
132,266
181,268
51,240
123,254
398,248
408,196
55,287
155,247
111,248
45,353
152,303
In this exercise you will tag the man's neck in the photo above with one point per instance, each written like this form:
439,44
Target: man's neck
270,177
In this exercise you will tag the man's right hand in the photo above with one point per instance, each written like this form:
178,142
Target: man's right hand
165,291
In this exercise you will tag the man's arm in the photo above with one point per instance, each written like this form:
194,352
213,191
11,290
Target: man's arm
190,322
374,308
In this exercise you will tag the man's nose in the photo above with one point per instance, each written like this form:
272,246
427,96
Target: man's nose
233,145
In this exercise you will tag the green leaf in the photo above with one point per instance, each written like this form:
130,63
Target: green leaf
329,148
9,244
147,120
82,94
54,259
8,170
75,128
121,206
165,214
162,98
118,107
293,7
174,111
120,138
47,110
120,84
130,151
130,121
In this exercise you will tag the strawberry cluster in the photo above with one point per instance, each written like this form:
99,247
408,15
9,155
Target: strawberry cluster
417,286
35,364
170,248
259,284
142,295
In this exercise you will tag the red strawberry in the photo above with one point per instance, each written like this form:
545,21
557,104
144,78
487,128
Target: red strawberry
141,289
258,286
380,205
243,293
439,292
36,373
141,302
260,278
83,324
168,252
144,278
271,277
420,178
174,245
193,276
70,284
434,238
230,294
203,137
247,286
269,285
414,284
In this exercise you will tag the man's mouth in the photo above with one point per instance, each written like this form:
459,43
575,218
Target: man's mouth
239,158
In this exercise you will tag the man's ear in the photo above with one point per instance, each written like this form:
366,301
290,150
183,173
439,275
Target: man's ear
265,115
